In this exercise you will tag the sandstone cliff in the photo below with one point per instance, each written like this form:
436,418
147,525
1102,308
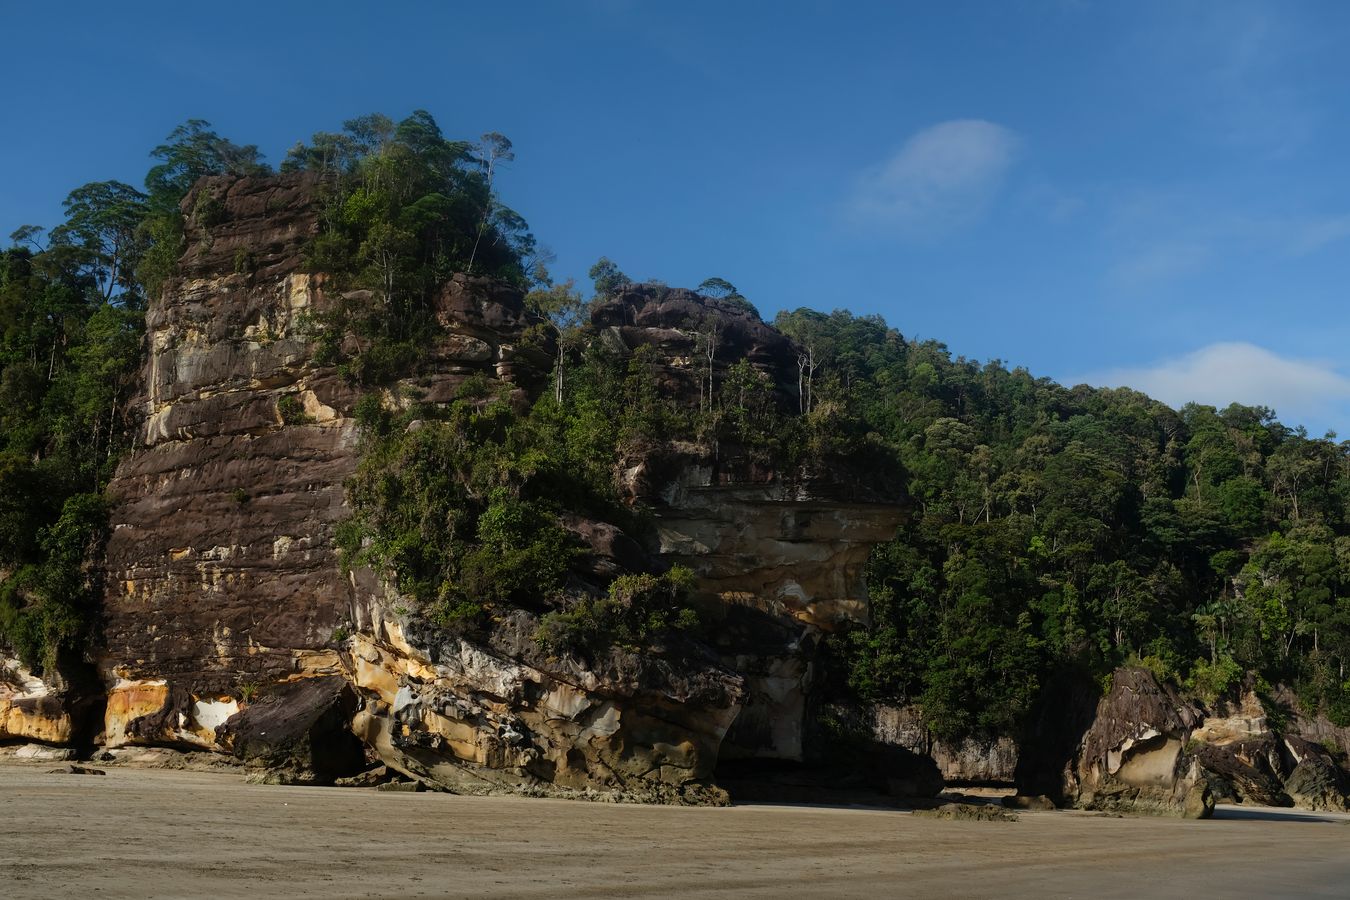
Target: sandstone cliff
231,627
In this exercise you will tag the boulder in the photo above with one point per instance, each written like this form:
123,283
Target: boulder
1133,757
1316,782
300,726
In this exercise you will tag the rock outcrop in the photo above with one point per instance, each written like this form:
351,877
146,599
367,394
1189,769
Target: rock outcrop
1147,749
970,762
1134,757
31,708
231,627
779,553
1315,781
1250,759
221,579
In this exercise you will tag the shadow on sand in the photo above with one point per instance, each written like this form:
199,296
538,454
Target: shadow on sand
1272,814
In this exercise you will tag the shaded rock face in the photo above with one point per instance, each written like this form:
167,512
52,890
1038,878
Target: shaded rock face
1315,781
971,762
301,726
688,333
1249,759
231,627
1245,771
779,554
1145,748
1133,758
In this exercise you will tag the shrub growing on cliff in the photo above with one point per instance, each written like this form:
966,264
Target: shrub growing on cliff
461,503
637,610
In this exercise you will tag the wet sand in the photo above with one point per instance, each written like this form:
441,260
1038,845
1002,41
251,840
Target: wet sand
138,833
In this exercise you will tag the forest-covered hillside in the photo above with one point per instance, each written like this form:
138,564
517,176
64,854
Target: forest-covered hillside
1055,531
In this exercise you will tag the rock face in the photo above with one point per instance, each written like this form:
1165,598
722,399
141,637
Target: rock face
1315,782
1133,758
971,762
688,333
220,576
1145,748
231,627
1250,760
779,554
478,718
32,709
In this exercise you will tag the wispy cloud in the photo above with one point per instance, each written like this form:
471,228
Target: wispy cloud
1232,67
942,179
1160,236
1313,233
1301,390
1162,261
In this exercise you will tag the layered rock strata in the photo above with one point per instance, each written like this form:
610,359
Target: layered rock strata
230,625
31,708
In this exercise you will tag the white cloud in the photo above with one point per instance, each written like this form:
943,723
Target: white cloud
1300,390
942,179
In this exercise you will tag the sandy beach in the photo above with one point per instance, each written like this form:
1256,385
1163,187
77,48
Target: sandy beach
139,833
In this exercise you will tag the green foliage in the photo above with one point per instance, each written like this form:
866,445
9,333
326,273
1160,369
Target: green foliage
637,610
1211,680
48,607
1062,529
292,411
405,208
461,503
607,277
191,151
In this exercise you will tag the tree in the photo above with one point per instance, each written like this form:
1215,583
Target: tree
191,151
565,309
493,150
103,222
30,235
806,327
709,339
607,277
718,287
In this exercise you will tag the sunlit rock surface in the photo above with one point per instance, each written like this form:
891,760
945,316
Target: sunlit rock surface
31,709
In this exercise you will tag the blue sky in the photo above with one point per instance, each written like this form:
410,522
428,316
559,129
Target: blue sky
1151,193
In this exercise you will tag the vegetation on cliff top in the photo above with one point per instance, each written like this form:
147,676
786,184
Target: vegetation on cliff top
403,209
